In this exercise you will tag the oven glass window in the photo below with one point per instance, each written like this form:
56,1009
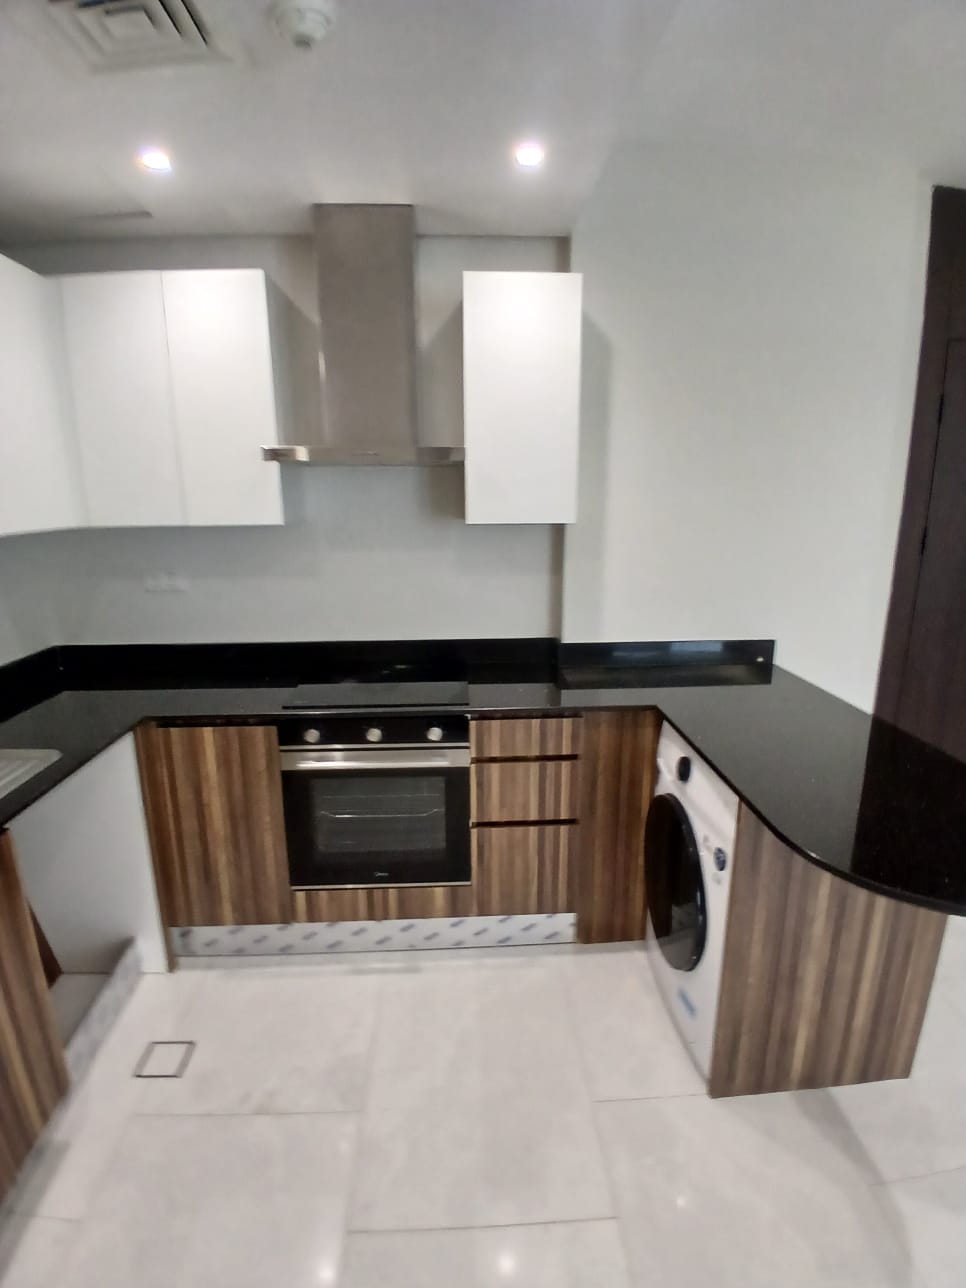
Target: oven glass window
376,828
395,815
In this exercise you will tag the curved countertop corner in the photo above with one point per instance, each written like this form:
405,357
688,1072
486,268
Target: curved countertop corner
849,792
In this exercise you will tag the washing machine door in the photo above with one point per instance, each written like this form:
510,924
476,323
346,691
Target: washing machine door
675,888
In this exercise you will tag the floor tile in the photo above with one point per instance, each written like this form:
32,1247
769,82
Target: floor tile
452,1027
455,1090
629,1045
909,1126
572,1255
32,1250
288,1043
952,955
942,1042
530,1158
745,1193
244,1201
152,1014
477,1112
930,1214
62,1173
64,1168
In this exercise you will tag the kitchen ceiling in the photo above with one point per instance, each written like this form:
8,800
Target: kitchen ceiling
422,101
415,101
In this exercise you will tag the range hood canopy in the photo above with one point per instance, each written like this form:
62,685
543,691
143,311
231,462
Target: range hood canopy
367,356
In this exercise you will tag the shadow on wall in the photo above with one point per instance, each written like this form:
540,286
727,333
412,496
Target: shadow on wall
440,385
585,541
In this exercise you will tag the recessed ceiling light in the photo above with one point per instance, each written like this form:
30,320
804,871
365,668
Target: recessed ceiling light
529,155
154,159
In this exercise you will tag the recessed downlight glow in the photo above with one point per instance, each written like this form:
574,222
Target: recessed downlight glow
529,155
154,159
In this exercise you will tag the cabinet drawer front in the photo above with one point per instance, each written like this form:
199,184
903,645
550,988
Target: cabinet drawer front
523,870
506,739
523,791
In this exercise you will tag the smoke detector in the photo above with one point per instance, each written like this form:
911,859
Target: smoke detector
304,23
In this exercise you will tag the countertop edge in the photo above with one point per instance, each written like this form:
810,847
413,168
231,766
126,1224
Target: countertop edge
31,792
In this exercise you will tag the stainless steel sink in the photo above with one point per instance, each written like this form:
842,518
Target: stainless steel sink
20,764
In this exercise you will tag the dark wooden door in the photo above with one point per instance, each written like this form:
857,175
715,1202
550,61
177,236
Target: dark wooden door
32,1073
932,692
213,798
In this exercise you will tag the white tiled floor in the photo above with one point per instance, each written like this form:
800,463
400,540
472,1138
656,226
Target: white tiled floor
514,1116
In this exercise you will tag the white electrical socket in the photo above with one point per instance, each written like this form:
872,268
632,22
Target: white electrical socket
165,583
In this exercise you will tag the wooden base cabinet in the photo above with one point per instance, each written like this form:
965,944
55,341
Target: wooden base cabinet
385,903
619,766
524,870
213,799
823,983
523,791
525,738
524,798
33,1077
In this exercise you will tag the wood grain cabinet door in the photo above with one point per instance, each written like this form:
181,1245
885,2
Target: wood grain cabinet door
523,791
213,798
33,1077
618,770
524,870
529,738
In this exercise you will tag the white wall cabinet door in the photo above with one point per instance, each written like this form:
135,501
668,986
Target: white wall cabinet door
117,349
521,396
222,380
39,481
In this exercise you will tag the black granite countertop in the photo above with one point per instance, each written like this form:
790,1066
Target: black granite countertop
849,792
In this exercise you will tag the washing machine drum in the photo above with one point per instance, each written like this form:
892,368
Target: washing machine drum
675,887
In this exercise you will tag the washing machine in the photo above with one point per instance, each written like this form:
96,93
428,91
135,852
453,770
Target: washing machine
688,846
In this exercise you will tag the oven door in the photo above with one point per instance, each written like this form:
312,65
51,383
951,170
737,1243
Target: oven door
361,817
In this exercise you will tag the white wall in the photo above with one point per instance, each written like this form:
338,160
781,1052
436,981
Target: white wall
367,553
751,343
377,554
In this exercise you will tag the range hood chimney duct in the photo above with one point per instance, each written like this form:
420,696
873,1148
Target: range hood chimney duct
367,358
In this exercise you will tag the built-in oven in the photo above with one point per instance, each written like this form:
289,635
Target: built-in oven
376,801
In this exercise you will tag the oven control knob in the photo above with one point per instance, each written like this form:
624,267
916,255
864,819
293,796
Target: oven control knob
434,734
374,735
311,735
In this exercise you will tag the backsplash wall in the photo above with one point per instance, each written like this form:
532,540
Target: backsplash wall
374,553
31,594
366,553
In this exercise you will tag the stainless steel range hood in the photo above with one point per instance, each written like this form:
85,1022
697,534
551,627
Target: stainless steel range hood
367,355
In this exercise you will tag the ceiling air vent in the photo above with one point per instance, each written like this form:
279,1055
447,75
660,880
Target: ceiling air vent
120,35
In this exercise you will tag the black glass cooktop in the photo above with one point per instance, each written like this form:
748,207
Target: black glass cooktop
380,693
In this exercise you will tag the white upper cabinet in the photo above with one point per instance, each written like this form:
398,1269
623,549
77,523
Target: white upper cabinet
123,408
521,396
39,485
173,385
222,381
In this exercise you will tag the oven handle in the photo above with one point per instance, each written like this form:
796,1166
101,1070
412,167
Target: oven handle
388,758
